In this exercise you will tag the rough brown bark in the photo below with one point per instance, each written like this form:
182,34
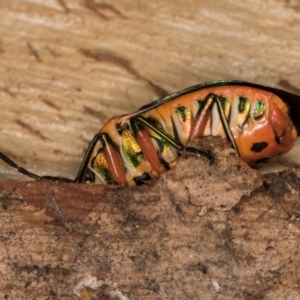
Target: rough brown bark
199,232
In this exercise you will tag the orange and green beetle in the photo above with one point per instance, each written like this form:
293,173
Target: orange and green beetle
260,122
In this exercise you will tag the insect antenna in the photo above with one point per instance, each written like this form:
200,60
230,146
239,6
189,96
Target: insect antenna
30,174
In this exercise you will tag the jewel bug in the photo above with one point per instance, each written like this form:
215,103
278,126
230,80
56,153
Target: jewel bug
259,121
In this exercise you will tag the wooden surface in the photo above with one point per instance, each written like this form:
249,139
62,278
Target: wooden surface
67,66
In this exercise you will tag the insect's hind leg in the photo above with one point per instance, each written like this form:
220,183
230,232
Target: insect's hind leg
173,142
23,171
202,118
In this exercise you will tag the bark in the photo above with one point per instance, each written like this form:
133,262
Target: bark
199,231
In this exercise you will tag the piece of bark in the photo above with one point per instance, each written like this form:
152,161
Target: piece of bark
64,201
158,242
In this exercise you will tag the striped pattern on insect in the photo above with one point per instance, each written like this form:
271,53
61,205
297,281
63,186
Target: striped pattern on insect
260,122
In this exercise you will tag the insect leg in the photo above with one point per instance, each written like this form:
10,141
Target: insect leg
83,166
112,157
203,117
169,139
29,174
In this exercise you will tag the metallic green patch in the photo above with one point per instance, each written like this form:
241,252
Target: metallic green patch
226,106
99,164
199,104
244,106
259,110
163,145
131,149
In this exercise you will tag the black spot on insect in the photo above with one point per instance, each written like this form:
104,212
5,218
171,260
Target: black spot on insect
258,147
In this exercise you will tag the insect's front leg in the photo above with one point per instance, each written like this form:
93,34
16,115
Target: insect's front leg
110,170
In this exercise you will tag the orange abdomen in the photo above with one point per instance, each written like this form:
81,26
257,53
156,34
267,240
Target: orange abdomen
149,141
